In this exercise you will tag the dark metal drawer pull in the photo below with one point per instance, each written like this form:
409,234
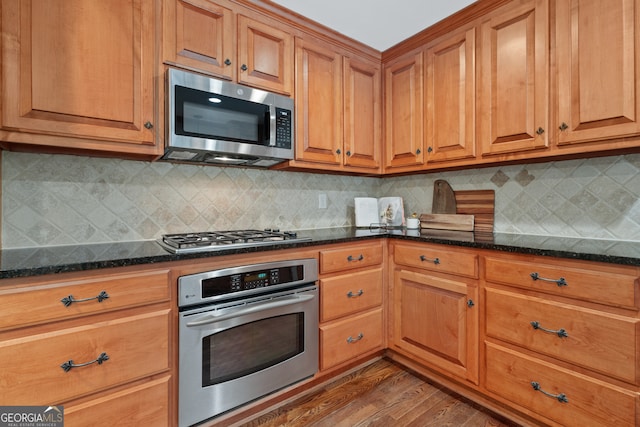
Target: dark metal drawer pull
69,364
435,260
67,301
559,282
350,258
560,332
352,340
561,397
352,295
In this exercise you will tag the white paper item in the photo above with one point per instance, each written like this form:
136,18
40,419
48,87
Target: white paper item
366,211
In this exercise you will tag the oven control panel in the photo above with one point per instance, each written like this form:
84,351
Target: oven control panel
244,280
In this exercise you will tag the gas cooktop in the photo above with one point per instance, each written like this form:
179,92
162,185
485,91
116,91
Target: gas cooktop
233,239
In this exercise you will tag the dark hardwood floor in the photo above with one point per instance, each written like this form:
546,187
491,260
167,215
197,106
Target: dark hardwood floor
381,394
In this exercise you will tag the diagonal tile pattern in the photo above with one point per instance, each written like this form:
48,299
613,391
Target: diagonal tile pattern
52,200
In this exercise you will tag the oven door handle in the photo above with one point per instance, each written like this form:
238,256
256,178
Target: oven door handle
281,302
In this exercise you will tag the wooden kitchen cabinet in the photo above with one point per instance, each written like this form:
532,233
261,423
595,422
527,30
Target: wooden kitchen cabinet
598,62
216,38
434,316
351,303
562,339
338,110
80,76
404,120
513,84
103,347
450,98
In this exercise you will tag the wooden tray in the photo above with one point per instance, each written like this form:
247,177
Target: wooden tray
447,222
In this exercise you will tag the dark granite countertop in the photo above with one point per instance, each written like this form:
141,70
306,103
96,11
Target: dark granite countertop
58,259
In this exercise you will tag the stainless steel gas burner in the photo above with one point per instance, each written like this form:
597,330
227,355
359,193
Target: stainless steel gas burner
219,240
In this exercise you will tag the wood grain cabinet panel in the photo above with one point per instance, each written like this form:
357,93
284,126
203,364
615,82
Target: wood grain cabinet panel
79,75
573,399
436,320
513,88
598,61
438,259
49,301
350,257
136,345
404,119
450,98
349,293
596,340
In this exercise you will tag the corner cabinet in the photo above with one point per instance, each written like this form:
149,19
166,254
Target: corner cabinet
434,309
71,83
338,110
216,38
98,344
598,60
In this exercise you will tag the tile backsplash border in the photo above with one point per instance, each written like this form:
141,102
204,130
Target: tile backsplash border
50,200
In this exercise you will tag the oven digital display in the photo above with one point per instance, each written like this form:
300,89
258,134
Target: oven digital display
216,286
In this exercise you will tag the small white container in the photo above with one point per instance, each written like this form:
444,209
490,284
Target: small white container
413,223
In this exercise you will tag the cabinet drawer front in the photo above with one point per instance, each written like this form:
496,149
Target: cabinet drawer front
145,404
600,341
136,346
45,302
347,339
349,258
590,402
350,293
604,287
437,259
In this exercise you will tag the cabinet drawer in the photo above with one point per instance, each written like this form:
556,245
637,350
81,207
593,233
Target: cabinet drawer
436,258
43,302
141,405
605,287
136,346
590,402
350,293
600,341
347,339
333,260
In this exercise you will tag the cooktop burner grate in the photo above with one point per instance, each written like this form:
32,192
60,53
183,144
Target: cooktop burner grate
218,240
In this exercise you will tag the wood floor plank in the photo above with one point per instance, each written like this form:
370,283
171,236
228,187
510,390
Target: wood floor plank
382,394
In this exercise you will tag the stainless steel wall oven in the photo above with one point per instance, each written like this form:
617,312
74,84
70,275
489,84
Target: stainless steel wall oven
245,332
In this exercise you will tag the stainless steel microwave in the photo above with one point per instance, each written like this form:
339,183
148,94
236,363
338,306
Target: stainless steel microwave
211,121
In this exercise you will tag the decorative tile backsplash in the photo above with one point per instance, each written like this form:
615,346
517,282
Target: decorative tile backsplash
50,200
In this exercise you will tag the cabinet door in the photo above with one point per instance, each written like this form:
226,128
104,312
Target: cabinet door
199,34
436,319
450,98
598,57
403,82
265,56
80,69
318,103
362,114
513,88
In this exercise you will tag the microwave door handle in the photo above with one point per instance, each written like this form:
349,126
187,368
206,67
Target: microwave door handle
271,123
281,302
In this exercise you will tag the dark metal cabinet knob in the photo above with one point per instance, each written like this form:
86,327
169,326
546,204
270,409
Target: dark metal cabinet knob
244,67
227,61
148,125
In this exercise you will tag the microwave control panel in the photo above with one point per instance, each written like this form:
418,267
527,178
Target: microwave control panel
283,128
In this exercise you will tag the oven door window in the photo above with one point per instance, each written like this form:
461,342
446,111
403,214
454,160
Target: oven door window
212,116
251,347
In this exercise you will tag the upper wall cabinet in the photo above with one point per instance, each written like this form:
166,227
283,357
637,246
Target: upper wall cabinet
201,35
598,60
513,88
450,98
338,110
404,122
79,75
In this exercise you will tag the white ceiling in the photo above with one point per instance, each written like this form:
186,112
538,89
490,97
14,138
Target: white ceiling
376,23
